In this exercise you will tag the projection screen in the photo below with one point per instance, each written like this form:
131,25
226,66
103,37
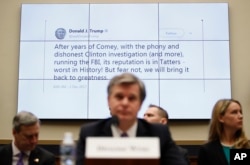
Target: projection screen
69,52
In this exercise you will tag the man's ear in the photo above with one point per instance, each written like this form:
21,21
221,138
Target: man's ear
163,121
108,102
14,132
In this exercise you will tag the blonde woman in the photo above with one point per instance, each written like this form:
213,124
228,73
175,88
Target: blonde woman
225,132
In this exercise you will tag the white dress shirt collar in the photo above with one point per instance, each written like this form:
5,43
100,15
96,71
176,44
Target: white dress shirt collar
116,131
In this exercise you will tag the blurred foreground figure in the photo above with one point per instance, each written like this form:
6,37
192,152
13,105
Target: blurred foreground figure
126,94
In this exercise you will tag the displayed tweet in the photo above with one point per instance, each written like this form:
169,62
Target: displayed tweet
69,52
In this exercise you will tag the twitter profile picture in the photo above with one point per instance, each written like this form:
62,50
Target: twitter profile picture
60,33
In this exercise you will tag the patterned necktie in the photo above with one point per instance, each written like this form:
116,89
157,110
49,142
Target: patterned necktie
20,158
124,134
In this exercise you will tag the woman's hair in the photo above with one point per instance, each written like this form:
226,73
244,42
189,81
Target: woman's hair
127,78
216,127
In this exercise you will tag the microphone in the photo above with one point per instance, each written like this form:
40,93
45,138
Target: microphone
115,120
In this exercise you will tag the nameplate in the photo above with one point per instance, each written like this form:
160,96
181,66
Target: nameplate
239,156
111,147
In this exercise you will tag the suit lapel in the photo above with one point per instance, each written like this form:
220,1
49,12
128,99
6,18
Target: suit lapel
8,155
106,131
34,157
221,155
141,130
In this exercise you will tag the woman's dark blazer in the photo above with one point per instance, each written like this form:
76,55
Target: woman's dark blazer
212,153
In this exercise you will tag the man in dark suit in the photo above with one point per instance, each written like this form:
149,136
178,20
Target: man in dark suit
156,114
25,131
126,94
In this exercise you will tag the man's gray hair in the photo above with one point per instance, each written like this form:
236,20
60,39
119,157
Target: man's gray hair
24,118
